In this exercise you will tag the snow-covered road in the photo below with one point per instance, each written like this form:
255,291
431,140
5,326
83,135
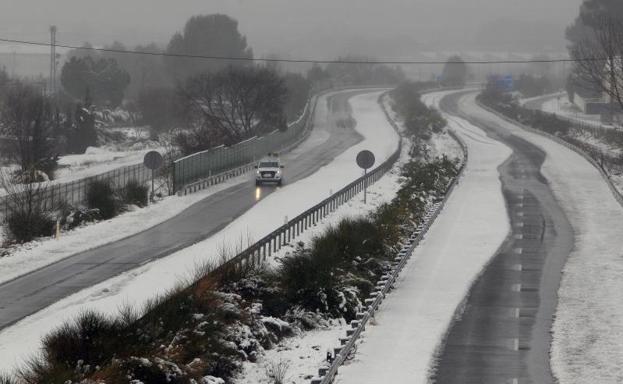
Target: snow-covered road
413,320
588,331
139,285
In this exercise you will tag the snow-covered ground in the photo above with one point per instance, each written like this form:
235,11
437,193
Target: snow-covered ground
305,353
587,331
560,105
25,258
137,286
412,321
96,161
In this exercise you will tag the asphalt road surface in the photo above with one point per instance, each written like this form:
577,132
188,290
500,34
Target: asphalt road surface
32,292
502,336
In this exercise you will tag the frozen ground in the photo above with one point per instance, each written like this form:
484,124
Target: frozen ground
96,161
588,331
412,321
306,352
21,259
138,286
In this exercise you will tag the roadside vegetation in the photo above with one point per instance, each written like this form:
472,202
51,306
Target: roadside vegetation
594,141
205,329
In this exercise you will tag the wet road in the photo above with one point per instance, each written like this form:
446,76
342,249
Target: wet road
503,333
35,291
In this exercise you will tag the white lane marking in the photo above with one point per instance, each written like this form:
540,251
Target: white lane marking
517,313
519,224
518,251
516,287
520,213
515,381
517,267
520,205
518,236
516,344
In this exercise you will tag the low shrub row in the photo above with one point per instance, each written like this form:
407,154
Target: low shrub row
553,125
29,216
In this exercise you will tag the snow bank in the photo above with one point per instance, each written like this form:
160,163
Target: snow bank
137,286
587,331
413,320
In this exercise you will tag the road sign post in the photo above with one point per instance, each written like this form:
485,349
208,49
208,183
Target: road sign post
153,160
365,160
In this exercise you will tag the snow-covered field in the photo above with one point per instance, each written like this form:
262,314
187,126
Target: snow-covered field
137,286
412,321
587,331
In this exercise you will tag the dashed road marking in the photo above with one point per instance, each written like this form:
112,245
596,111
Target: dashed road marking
516,287
518,267
518,236
518,251
520,213
519,224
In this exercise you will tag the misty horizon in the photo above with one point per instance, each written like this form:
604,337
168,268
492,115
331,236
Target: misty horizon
320,29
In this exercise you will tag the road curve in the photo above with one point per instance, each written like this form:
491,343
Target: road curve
34,291
503,332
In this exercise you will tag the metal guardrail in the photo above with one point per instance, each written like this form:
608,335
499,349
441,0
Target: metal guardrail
326,374
202,168
275,240
615,192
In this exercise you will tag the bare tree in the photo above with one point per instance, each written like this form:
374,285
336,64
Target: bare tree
30,120
599,59
29,211
236,103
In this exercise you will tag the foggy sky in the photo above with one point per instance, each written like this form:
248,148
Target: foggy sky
307,28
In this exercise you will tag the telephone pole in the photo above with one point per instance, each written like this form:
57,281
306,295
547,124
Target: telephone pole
53,59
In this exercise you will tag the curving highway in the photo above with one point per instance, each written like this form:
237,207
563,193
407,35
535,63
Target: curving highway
34,291
503,332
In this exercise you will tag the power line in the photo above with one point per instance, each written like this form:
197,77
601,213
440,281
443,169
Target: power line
304,61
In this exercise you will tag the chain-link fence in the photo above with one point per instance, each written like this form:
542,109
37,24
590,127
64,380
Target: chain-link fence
75,192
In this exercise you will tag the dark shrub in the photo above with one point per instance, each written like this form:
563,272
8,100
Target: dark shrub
135,193
25,226
101,196
92,338
7,380
313,278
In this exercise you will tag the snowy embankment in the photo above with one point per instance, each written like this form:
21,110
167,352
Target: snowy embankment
587,331
408,329
306,352
138,286
96,161
25,258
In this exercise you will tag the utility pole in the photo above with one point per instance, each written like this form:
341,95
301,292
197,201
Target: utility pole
53,59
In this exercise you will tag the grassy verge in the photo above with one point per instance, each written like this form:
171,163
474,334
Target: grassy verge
203,331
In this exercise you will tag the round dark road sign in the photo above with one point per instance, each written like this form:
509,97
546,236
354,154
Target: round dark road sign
365,159
153,160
